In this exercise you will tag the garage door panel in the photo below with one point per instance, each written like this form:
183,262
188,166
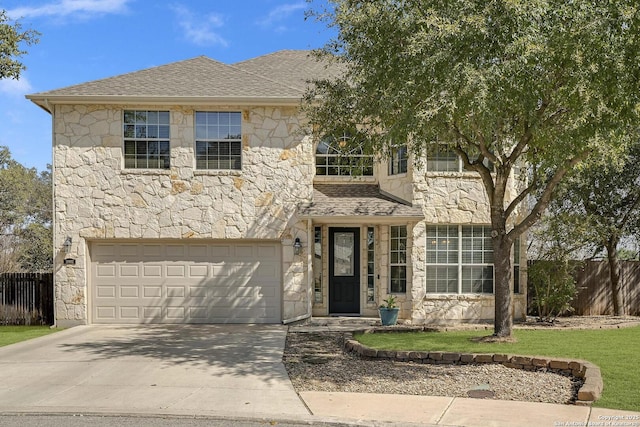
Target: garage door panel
185,283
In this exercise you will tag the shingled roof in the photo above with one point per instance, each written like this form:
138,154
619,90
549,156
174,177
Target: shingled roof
276,78
356,200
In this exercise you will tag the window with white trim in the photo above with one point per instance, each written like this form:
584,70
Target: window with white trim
146,139
335,156
398,161
444,159
398,259
459,259
218,140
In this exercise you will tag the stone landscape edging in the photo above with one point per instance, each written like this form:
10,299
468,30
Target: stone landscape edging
590,391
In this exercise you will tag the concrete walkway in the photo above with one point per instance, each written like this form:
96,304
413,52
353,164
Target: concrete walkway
230,372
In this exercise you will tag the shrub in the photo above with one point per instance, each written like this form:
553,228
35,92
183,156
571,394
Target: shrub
554,288
12,315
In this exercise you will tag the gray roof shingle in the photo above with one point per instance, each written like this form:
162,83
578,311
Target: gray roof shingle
278,75
355,200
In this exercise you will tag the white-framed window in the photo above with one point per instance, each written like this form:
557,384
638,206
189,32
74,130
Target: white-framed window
516,267
398,161
444,159
317,265
218,140
371,265
336,157
398,259
459,259
146,139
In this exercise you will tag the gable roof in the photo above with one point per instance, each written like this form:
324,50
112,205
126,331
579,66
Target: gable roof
278,78
356,201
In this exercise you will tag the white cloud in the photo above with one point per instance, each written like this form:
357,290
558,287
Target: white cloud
66,8
281,13
200,30
16,88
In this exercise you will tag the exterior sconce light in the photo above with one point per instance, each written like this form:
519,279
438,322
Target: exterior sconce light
66,246
297,246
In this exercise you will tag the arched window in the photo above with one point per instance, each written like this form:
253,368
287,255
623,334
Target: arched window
339,156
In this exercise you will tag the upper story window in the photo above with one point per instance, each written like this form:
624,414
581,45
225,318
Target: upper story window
218,140
443,159
146,140
398,161
336,157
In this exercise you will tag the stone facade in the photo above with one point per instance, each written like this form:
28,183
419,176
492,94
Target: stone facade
96,198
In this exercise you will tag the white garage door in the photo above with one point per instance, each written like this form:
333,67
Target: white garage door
185,282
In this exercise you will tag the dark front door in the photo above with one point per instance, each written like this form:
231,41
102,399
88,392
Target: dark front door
344,271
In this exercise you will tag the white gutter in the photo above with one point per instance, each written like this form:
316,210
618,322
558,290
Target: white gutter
46,101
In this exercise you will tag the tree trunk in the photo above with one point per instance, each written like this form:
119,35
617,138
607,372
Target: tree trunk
614,277
502,287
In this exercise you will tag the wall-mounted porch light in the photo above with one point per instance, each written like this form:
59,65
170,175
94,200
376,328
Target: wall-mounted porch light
66,246
297,246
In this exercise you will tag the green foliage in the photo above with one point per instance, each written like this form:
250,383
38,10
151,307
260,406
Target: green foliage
541,84
554,287
11,36
613,350
390,302
25,217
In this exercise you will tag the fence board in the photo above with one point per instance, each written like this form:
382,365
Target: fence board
594,289
22,293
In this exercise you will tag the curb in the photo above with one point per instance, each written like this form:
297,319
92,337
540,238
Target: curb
590,391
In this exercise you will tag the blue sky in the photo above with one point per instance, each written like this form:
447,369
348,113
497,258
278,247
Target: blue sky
84,40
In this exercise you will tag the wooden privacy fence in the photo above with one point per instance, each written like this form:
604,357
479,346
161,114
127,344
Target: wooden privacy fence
26,298
594,288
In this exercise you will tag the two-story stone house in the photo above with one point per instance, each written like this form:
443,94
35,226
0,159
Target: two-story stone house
194,192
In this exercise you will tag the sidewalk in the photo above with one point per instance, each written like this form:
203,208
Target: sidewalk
405,410
410,410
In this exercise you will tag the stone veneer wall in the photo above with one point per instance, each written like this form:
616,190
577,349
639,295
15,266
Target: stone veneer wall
450,198
96,199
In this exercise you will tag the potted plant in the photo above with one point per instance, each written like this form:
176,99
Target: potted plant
389,311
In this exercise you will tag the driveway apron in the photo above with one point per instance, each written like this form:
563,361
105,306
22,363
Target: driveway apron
221,370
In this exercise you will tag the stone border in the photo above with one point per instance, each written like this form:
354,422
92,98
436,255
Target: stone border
590,391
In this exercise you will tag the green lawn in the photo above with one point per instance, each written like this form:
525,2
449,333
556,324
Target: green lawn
615,351
14,334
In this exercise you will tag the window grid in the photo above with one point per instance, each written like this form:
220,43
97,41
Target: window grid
335,157
218,140
516,266
398,161
146,139
371,295
443,159
398,259
470,271
317,265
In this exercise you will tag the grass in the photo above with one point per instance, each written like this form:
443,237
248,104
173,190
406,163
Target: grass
615,351
14,334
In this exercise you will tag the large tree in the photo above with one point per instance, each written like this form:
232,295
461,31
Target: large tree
25,216
11,38
598,207
541,83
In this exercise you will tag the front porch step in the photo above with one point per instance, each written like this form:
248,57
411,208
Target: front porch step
335,323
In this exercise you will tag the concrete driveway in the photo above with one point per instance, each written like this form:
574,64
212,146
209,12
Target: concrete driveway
211,370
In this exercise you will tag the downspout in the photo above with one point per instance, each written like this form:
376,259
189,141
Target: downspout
53,203
307,315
